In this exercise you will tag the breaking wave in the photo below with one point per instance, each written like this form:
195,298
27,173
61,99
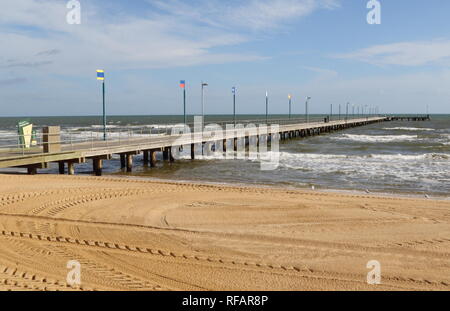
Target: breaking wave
377,138
408,129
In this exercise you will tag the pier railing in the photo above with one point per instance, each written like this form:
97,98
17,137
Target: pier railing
92,138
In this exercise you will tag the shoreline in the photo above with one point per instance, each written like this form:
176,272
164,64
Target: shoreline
119,175
277,187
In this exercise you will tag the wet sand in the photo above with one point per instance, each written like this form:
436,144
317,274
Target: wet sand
146,235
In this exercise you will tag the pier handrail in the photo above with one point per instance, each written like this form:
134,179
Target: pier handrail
71,140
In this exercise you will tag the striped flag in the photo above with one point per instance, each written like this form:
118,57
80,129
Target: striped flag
182,84
101,75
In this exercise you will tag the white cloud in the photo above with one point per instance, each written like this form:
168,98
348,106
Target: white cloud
322,73
253,15
177,34
404,53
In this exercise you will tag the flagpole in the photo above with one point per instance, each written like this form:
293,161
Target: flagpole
290,103
101,77
184,104
104,112
203,105
183,86
306,109
234,105
203,99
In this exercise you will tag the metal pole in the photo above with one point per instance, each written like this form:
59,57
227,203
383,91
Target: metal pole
290,106
306,109
339,111
203,100
184,104
346,112
234,106
267,108
104,112
203,106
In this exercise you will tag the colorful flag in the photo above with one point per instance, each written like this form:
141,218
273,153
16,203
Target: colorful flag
182,84
233,90
101,75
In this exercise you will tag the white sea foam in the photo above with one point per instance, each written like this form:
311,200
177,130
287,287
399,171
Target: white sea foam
108,126
302,157
377,138
409,129
134,126
407,157
371,166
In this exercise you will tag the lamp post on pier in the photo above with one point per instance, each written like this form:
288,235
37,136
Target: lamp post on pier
346,111
203,99
233,89
290,105
183,86
306,108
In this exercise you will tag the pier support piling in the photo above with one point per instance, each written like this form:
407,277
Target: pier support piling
70,168
122,160
171,158
32,170
129,163
146,159
61,168
152,158
98,166
166,154
192,151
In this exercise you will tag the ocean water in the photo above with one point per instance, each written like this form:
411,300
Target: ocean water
389,157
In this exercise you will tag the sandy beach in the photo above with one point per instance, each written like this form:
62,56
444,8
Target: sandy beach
144,235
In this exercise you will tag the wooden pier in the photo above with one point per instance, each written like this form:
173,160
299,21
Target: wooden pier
98,151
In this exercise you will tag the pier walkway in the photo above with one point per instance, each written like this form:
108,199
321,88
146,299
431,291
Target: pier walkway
96,150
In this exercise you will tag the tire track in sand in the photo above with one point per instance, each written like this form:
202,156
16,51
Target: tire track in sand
302,271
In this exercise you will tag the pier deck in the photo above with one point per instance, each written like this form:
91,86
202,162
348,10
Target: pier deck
99,150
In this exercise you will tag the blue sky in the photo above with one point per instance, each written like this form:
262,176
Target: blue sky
319,48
